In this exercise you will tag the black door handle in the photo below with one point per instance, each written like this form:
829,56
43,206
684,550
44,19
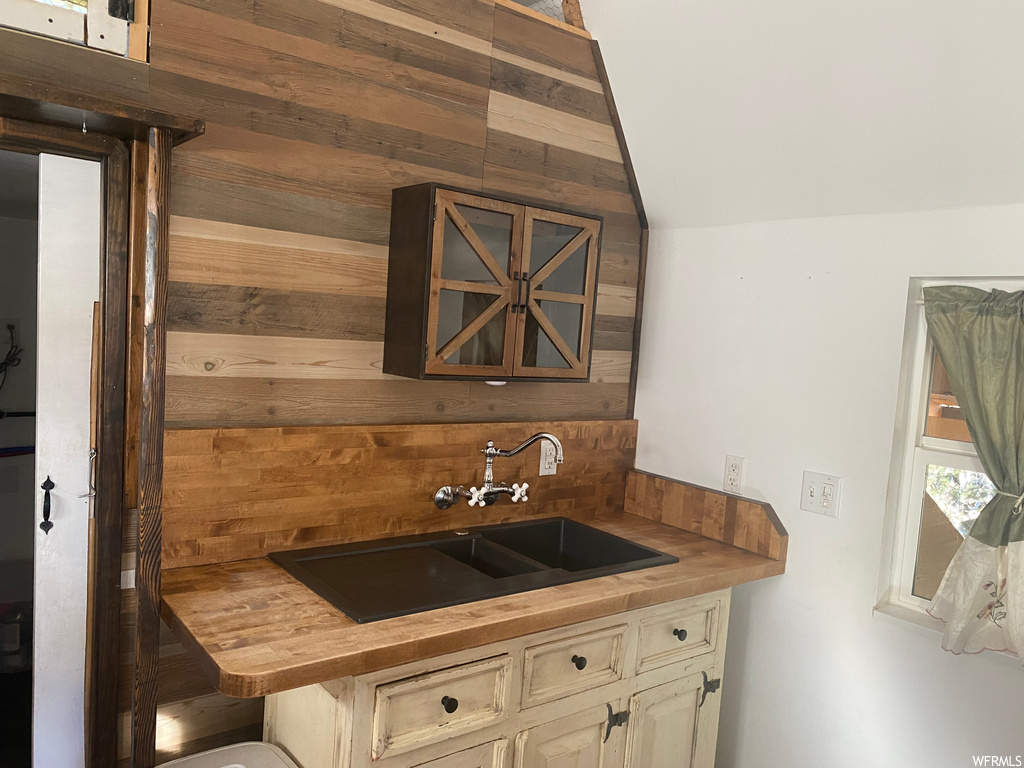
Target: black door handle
449,703
579,661
47,486
680,633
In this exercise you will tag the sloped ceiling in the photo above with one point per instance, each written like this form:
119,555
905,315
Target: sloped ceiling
739,111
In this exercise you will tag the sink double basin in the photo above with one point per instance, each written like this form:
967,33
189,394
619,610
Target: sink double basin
381,579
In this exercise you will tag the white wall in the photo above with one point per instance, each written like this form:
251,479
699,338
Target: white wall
17,301
747,110
781,342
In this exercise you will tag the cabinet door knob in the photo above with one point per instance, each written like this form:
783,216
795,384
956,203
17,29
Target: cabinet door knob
449,703
579,661
680,633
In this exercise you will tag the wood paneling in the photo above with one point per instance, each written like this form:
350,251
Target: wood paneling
316,112
231,494
258,630
743,523
198,401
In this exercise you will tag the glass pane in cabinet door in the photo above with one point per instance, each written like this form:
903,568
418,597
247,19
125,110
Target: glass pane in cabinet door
547,241
457,310
539,350
489,231
570,276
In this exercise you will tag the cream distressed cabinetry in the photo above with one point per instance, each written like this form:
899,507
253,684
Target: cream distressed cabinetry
633,690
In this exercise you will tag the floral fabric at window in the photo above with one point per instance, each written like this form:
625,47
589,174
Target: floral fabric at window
979,337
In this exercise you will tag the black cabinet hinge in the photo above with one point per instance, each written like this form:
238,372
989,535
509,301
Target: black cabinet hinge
710,686
615,719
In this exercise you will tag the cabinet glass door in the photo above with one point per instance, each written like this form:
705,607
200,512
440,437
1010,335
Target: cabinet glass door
559,267
470,331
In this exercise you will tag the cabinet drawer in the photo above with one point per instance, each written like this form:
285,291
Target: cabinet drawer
680,634
575,664
490,755
429,708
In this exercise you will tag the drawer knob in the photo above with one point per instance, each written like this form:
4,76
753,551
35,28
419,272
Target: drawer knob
680,633
449,703
579,661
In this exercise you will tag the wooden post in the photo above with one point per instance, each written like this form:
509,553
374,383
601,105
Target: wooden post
109,480
150,450
572,13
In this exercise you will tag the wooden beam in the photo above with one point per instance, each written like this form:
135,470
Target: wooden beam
147,578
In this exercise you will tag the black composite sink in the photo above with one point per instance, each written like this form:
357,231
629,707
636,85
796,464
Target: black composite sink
381,579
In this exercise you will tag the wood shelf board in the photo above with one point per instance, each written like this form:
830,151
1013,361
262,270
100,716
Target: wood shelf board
255,630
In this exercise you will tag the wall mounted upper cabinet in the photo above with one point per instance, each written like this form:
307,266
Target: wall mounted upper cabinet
485,288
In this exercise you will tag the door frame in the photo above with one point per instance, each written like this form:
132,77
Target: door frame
103,630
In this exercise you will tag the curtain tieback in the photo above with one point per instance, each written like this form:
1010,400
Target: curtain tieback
1018,504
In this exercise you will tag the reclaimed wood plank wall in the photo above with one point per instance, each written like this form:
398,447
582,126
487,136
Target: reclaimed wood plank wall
315,110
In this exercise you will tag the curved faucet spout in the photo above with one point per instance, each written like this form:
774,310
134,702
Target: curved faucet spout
489,493
530,441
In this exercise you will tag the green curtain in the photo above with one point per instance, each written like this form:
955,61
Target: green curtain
979,336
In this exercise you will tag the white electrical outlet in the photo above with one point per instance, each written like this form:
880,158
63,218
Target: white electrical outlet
820,494
548,464
734,474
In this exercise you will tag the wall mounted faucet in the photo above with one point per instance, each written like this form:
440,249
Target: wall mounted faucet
489,493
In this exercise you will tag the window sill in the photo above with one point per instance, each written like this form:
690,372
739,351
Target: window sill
912,615
898,615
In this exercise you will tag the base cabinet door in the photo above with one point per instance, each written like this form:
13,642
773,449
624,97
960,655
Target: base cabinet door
490,755
576,741
670,726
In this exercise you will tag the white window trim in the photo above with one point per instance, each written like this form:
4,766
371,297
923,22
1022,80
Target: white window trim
96,28
912,452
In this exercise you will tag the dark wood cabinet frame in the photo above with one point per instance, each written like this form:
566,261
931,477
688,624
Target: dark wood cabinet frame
418,216
135,157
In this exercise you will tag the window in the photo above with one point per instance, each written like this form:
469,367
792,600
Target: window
96,23
937,485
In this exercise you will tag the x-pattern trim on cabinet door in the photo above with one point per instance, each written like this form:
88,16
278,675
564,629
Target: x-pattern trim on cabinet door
447,203
587,237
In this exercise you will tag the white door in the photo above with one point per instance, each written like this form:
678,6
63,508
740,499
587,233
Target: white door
70,234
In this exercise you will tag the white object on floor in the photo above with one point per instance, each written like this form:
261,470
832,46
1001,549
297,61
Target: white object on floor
249,754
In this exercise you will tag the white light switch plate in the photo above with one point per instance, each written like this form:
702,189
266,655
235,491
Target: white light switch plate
548,465
820,494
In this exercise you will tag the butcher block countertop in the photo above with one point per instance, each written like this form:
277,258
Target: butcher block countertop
256,630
